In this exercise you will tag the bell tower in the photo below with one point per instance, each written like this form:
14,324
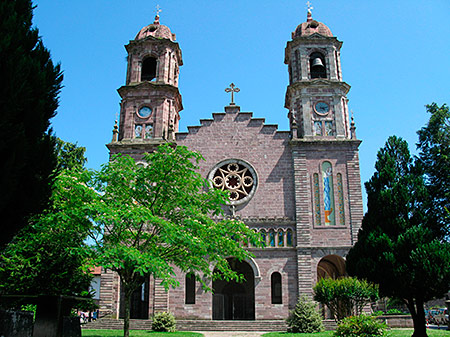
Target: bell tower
328,200
151,101
316,95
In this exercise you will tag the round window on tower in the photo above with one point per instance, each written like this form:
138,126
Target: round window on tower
235,176
145,112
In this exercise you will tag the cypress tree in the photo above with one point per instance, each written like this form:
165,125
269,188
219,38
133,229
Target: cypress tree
29,89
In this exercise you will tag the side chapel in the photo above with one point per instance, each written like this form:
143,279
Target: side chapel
299,188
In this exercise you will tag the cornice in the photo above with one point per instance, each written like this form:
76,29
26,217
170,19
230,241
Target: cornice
319,82
312,142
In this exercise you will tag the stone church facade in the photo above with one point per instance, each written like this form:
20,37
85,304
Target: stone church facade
300,188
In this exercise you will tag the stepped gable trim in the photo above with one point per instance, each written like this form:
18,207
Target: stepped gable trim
240,117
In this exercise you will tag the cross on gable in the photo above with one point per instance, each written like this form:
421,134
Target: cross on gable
232,89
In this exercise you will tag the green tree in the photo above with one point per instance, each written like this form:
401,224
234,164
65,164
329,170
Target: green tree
49,256
147,220
28,99
69,156
398,246
345,296
434,160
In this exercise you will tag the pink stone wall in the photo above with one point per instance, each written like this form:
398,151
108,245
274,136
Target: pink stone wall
239,136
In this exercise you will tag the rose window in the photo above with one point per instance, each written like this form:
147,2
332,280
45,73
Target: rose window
235,176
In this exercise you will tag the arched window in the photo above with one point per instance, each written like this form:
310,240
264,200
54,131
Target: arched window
262,232
190,288
148,72
280,238
275,281
328,194
289,242
272,238
317,65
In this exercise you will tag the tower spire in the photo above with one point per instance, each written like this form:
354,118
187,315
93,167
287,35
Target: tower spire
158,10
310,8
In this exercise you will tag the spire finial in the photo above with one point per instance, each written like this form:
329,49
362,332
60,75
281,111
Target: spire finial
310,7
352,126
158,10
115,136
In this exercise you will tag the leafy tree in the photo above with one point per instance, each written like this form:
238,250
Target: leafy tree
147,220
345,296
49,256
434,160
398,245
28,99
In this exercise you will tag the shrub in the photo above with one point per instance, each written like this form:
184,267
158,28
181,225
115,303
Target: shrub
345,296
304,318
378,313
163,322
360,326
394,311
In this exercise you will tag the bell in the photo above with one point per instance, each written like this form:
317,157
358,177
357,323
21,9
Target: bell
317,62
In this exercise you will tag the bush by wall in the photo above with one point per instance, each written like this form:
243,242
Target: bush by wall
163,322
305,318
360,326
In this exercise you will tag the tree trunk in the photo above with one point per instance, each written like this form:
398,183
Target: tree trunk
418,316
126,319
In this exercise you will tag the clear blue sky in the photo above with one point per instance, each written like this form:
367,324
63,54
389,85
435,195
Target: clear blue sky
396,57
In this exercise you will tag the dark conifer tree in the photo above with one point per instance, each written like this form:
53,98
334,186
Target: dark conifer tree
30,84
400,246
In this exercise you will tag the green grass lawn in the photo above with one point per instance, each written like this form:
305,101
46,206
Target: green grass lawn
136,333
391,333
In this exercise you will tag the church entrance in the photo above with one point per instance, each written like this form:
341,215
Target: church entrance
233,300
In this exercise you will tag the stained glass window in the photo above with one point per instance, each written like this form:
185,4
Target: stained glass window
316,199
340,200
328,194
289,238
138,131
263,237
272,238
280,238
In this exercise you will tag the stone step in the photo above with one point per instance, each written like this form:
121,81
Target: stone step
201,325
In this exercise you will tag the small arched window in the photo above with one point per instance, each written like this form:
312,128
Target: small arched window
262,232
148,72
317,65
272,238
280,238
190,288
275,281
289,242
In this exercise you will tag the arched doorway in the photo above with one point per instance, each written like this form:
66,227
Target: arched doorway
233,300
331,266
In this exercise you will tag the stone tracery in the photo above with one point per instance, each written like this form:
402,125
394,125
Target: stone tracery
237,177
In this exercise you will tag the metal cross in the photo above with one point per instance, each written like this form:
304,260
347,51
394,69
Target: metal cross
310,7
232,89
158,10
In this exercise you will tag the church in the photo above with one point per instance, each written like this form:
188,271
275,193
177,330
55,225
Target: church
299,188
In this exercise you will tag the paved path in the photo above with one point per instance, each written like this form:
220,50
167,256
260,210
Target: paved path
231,333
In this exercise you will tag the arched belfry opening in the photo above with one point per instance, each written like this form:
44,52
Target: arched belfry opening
331,266
317,65
148,72
235,300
